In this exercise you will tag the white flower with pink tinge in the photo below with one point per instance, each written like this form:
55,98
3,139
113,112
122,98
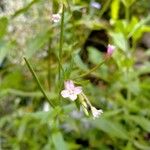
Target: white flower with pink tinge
95,112
71,91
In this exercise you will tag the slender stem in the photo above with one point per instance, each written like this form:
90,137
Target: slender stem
49,65
93,69
38,82
128,90
86,99
104,8
127,13
68,5
24,93
60,48
128,95
61,40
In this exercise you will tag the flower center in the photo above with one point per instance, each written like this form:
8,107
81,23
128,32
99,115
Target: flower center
71,91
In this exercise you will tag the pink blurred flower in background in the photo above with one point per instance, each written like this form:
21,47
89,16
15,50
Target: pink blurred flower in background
56,18
110,49
71,91
96,5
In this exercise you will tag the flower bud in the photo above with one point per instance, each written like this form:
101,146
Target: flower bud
110,49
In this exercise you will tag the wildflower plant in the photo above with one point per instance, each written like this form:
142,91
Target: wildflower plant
56,99
71,91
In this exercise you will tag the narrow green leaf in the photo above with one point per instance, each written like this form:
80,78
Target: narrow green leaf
77,104
94,55
4,48
58,141
139,25
141,121
128,3
115,5
111,128
3,26
79,62
141,146
24,9
120,41
45,116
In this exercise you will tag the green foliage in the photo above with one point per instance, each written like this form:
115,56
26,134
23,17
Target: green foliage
3,26
115,5
52,52
37,43
58,138
111,128
4,49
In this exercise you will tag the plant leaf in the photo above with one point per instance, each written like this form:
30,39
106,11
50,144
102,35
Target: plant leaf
115,5
58,141
120,41
111,128
141,146
3,26
141,121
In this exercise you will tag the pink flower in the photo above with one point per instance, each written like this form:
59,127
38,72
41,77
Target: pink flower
70,90
110,49
95,112
56,18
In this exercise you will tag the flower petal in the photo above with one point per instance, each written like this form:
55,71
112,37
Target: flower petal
56,17
78,90
73,97
110,49
95,112
69,85
65,93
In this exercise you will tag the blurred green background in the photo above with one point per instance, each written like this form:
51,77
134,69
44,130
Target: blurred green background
121,87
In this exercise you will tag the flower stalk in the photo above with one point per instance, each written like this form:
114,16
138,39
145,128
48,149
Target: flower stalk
61,40
93,69
60,50
110,50
38,82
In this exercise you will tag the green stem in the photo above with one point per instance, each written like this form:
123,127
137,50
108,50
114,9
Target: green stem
23,93
128,95
60,49
61,40
68,5
49,65
104,8
86,99
127,13
38,82
93,69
